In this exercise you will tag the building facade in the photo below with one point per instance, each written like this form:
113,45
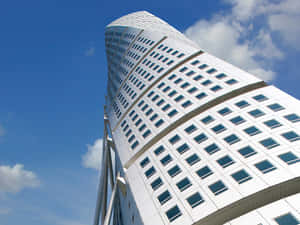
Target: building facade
196,139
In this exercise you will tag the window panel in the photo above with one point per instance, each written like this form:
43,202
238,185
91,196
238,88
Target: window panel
241,176
193,159
232,139
287,219
272,123
184,184
174,171
212,149
247,151
173,213
164,197
291,136
217,187
269,143
251,131
183,148
289,158
156,184
265,166
195,200
204,172
237,120
292,117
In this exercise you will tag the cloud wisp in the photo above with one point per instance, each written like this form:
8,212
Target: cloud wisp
90,51
93,157
248,31
14,179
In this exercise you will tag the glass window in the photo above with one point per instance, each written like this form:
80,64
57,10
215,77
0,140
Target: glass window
224,111
159,150
173,213
272,124
166,89
292,117
211,149
217,187
275,107
287,219
178,98
247,151
195,62
192,90
251,131
241,176
200,138
184,184
186,104
219,128
201,95
166,107
146,134
159,123
195,200
237,120
221,76
212,70
153,117
291,136
198,77
165,160
172,93
207,82
204,172
269,143
289,158
150,172
231,81
144,162
174,139
193,159
156,184
172,113
207,120
203,66
256,113
260,98
183,148
178,81
174,171
190,129
164,197
232,139
216,88
225,161
265,166
242,104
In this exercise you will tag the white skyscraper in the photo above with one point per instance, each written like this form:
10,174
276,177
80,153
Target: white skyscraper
196,139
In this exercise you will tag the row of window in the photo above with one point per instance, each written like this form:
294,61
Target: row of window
170,51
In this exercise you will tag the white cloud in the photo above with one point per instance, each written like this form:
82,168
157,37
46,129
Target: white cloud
92,158
90,51
244,35
14,179
2,131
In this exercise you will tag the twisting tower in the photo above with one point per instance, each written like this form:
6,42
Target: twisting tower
196,140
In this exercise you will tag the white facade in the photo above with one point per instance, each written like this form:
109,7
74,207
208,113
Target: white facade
198,140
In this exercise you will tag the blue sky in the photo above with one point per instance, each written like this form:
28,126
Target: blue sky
52,86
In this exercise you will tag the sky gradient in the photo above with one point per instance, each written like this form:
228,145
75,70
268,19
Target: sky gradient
53,80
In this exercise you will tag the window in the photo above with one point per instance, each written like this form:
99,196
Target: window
251,131
186,104
200,138
221,76
256,113
174,171
203,66
207,82
183,148
216,88
166,107
207,120
190,73
204,172
173,213
158,123
192,90
178,81
292,117
211,149
291,136
164,197
198,77
153,117
172,93
159,150
289,158
212,70
146,134
195,62
269,143
150,172
237,120
232,139
241,176
201,95
192,159
174,139
260,98
224,111
166,160
142,127
225,161
144,162
218,187
190,129
184,184
172,113
219,128
265,166
156,184
231,81
247,151
242,104
275,107
179,98
287,219
195,200
272,124
166,89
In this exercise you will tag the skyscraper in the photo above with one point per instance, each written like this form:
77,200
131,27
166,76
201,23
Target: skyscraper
196,139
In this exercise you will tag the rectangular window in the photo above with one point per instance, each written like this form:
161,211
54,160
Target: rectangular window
164,197
172,77
166,107
186,104
183,148
265,166
207,119
195,62
166,89
150,172
165,160
184,85
287,219
152,118
292,117
207,82
174,139
184,184
159,150
211,149
225,111
225,161
218,129
241,176
190,73
200,138
198,77
201,95
242,104
260,98
203,66
221,76
193,159
217,187
146,134
192,90
256,113
269,143
212,70
173,213
195,200
272,124
289,158
231,139
275,107
174,171
247,151
172,113
190,129
204,172
251,131
172,93
237,120
156,184
216,88
179,98
231,81
291,136
144,162
159,123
